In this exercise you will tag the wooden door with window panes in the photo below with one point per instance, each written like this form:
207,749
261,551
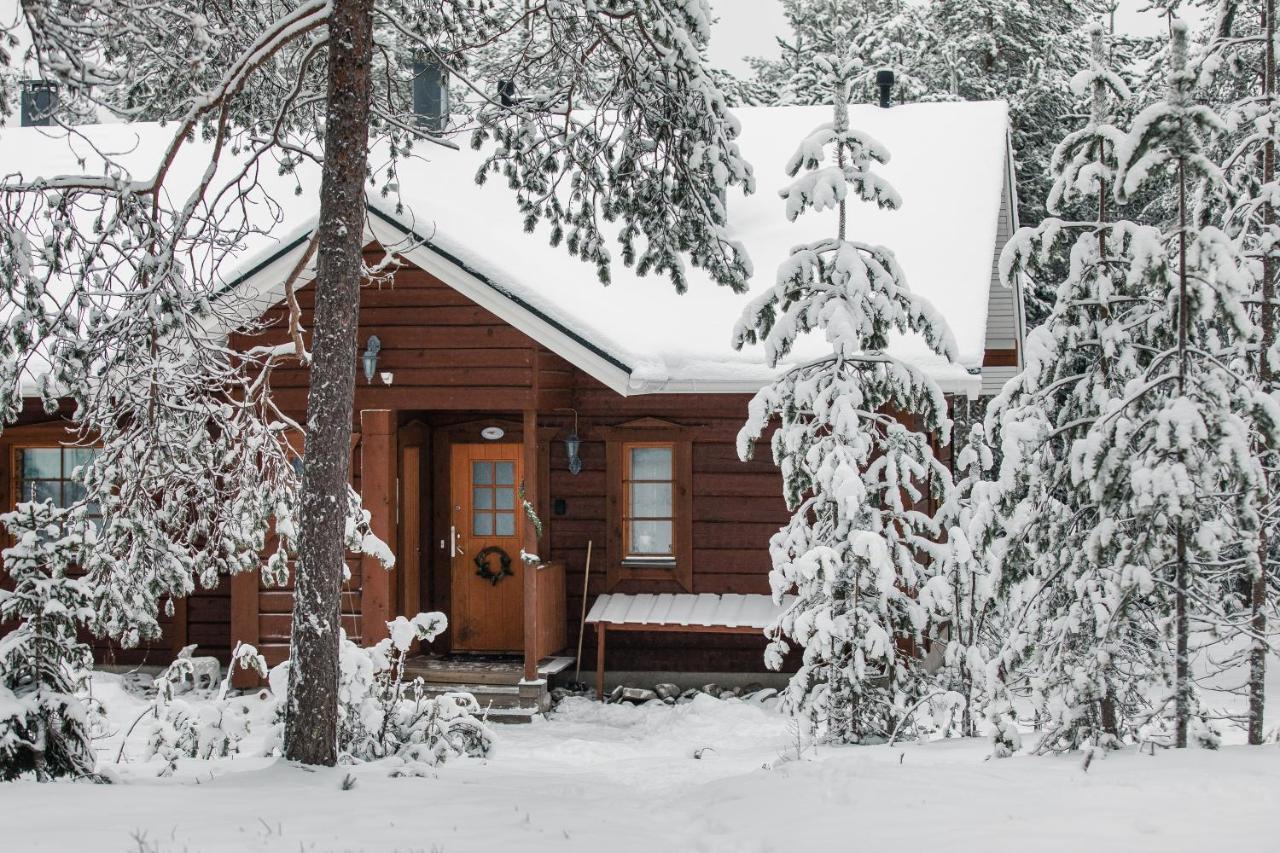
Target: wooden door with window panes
487,577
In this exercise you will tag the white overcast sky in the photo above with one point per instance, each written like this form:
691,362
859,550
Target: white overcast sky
748,28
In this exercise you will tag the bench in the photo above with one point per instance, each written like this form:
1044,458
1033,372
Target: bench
706,613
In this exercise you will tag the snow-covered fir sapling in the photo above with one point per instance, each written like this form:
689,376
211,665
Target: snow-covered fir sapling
1178,455
856,477
964,587
207,728
1082,633
44,721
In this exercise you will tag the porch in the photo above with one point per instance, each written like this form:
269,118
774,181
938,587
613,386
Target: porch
462,499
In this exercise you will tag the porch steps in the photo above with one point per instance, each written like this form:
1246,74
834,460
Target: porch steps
496,682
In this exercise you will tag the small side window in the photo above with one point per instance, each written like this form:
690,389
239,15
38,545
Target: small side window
650,506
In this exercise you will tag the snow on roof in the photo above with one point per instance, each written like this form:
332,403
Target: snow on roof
947,162
730,610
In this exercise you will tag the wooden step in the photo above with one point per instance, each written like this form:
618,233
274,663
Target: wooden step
461,669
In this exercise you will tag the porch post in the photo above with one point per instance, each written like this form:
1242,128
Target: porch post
530,465
244,621
378,493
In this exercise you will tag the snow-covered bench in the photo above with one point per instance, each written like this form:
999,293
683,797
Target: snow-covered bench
672,612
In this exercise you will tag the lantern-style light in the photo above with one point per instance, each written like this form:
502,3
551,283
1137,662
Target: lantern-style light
572,444
370,358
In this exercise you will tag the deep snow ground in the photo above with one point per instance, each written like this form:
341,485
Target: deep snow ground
621,778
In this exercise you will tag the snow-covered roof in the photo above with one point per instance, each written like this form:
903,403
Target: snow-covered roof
638,335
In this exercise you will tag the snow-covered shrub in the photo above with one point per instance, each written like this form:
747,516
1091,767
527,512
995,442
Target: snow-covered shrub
199,729
44,726
382,715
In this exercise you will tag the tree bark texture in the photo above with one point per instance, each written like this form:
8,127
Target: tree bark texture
312,715
1258,593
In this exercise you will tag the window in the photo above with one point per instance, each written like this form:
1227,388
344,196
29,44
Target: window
650,505
50,473
648,518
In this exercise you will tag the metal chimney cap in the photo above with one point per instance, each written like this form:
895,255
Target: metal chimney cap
884,82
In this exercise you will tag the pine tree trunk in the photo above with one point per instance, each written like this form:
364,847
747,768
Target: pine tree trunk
312,717
1182,701
1258,593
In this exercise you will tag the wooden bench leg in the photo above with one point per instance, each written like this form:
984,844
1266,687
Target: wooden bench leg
600,631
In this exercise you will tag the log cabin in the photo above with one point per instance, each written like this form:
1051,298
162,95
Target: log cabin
491,361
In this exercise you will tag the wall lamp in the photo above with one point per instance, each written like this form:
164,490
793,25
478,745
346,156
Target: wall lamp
370,357
572,444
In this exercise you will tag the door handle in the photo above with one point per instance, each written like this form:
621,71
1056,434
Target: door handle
453,541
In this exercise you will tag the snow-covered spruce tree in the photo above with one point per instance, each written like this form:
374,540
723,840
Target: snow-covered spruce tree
614,118
873,36
1237,68
1178,454
855,475
1081,637
44,725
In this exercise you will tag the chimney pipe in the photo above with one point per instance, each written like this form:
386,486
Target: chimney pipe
431,94
884,82
39,102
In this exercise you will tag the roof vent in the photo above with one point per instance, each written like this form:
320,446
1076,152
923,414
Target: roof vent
39,102
431,95
884,82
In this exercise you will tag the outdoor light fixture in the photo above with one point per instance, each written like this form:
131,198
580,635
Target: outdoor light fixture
492,433
370,358
572,443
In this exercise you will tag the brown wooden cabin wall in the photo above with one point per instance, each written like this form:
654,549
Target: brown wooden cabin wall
737,506
202,618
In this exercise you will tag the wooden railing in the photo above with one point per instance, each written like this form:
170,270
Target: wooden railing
547,612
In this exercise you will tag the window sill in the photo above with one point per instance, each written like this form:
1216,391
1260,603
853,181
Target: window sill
648,563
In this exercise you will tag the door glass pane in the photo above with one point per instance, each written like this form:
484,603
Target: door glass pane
506,473
482,524
651,537
42,462
651,500
481,473
506,524
482,498
651,463
506,498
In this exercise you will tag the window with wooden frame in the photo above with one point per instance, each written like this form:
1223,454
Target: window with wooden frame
650,504
49,473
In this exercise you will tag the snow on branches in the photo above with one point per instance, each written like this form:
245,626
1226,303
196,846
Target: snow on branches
380,715
640,133
856,477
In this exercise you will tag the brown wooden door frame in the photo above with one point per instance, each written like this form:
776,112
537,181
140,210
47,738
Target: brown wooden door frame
438,568
488,615
414,522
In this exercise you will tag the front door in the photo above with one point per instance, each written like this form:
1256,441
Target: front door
487,577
